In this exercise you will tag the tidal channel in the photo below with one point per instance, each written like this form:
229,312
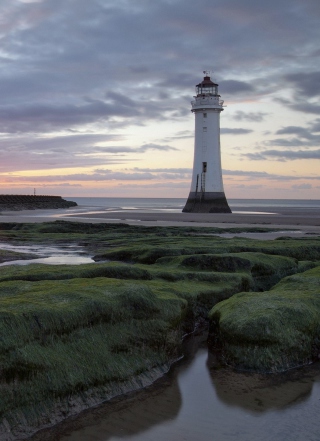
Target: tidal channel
200,400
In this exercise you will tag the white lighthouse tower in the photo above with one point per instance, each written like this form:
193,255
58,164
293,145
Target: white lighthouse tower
207,193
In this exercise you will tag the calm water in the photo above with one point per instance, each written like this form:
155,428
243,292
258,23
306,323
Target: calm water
201,401
176,204
48,254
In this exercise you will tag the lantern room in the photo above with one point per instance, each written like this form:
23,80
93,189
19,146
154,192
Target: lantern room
207,87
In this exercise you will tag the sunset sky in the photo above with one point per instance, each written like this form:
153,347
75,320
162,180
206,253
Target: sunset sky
95,95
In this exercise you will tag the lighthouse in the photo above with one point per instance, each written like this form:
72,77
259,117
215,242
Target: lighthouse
207,193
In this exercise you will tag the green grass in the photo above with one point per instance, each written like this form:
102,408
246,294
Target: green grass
62,337
271,331
68,330
8,256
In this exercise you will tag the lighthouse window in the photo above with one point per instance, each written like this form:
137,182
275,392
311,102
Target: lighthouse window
204,167
204,129
204,115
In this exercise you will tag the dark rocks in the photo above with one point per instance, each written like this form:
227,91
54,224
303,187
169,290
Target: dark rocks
28,202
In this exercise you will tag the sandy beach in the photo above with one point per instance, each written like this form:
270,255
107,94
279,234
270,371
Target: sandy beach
300,221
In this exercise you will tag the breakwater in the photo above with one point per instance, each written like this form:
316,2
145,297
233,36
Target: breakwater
10,202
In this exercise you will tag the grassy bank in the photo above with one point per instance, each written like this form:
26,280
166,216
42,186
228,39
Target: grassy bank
73,336
270,331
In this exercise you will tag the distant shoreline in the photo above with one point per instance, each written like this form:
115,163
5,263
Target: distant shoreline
10,202
294,222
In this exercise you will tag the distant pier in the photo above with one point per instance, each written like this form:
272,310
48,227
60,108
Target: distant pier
12,202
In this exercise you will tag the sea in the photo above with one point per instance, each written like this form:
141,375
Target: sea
175,205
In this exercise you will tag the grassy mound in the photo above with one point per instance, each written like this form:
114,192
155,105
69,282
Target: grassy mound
63,338
270,331
84,331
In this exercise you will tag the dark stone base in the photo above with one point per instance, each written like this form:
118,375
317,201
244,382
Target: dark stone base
206,203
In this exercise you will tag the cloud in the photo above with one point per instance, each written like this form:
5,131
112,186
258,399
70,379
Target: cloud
306,83
281,155
49,117
315,126
249,116
237,131
101,71
76,150
178,177
294,130
300,105
305,88
162,170
107,175
285,142
299,136
152,146
248,186
302,187
253,174
232,87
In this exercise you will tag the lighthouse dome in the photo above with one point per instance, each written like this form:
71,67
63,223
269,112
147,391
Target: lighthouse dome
207,87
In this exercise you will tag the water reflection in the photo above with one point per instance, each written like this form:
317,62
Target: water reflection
260,393
201,401
48,254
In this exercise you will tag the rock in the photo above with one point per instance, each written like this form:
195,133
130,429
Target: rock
26,202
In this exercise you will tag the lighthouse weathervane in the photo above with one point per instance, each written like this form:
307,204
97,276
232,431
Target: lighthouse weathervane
207,193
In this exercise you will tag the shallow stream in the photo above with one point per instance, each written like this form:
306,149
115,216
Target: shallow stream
200,401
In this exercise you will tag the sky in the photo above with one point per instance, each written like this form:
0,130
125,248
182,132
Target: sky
95,96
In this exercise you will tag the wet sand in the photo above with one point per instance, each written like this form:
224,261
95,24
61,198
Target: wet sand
303,220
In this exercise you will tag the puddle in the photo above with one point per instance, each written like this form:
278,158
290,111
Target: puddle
50,255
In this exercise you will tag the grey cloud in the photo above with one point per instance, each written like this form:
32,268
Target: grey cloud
302,187
315,126
63,184
231,87
294,130
246,186
307,83
293,142
250,174
301,136
108,175
170,170
249,116
150,174
169,185
101,175
151,146
236,131
86,65
184,134
50,117
264,175
284,155
305,107
67,151
299,104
